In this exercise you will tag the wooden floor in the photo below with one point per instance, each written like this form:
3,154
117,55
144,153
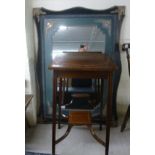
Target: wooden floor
79,142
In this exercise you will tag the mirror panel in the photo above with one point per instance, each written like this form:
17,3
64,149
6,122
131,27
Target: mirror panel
67,34
60,31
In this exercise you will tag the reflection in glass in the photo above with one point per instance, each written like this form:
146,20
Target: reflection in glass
68,35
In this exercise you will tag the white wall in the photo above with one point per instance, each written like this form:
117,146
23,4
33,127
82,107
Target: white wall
123,91
31,112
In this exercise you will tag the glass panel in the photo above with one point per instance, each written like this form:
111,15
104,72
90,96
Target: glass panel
70,38
67,35
70,33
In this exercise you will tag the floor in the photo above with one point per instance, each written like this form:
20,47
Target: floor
78,142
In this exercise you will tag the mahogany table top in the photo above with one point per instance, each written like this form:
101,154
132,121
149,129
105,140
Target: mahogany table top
83,61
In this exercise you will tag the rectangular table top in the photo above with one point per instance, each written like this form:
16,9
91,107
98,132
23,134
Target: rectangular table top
83,61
